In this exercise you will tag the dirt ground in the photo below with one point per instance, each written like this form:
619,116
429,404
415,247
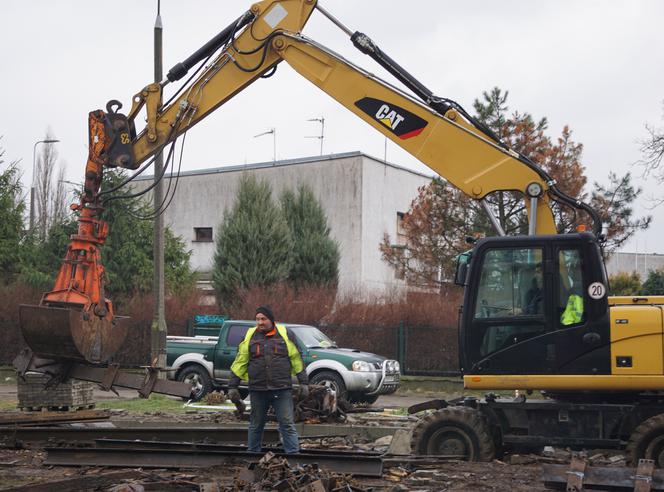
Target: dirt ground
25,466
20,467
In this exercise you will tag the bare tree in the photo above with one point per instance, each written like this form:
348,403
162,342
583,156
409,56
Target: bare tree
652,149
51,192
59,203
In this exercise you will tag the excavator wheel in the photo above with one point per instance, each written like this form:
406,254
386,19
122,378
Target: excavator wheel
454,431
647,442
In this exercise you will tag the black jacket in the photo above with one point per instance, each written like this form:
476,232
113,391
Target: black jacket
269,366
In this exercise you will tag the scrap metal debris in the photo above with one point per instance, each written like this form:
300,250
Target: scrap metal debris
32,418
320,406
275,473
579,476
86,482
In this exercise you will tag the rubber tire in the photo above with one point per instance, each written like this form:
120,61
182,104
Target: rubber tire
362,398
199,376
468,426
332,379
647,441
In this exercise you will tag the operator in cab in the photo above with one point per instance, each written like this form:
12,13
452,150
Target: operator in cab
533,304
267,358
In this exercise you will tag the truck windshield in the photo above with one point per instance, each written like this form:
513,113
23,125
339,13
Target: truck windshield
312,337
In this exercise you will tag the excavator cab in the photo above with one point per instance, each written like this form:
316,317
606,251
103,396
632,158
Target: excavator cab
517,317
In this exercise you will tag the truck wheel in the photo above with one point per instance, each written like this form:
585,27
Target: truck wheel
647,442
332,380
362,398
199,380
454,431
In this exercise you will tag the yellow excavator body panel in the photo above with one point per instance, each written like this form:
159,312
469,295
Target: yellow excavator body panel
636,300
608,383
636,340
637,356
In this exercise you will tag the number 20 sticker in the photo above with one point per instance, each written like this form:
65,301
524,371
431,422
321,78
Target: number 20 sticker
596,290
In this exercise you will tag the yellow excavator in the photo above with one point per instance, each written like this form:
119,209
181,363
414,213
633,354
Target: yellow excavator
535,317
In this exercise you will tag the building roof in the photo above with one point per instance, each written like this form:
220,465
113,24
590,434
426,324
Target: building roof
288,162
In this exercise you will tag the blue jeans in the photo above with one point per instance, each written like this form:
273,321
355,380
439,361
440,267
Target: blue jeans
282,402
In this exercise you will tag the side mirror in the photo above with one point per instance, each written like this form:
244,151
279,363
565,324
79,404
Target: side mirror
460,274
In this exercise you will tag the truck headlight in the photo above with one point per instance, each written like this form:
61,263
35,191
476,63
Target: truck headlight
360,365
397,367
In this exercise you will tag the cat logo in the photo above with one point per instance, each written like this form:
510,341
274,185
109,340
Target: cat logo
389,117
402,123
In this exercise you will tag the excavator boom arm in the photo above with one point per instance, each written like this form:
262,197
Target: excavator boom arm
440,135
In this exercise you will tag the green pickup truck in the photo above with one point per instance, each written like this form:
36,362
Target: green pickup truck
205,361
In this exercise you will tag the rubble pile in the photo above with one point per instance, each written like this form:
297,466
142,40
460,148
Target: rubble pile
555,455
274,473
320,406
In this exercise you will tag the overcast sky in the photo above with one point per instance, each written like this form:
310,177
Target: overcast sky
597,66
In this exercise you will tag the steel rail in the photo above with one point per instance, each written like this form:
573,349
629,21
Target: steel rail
134,457
181,433
90,434
205,446
51,418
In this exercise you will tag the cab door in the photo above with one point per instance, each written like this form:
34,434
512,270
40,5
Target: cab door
508,325
581,318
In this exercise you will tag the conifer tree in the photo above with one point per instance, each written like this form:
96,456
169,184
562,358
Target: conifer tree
127,254
315,253
654,284
254,244
11,219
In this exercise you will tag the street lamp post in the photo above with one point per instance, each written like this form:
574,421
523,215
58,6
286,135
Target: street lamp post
32,187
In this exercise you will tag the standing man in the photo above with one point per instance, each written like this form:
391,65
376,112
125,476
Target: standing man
267,358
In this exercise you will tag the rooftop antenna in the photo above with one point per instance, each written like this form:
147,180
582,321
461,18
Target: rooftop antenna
273,132
320,137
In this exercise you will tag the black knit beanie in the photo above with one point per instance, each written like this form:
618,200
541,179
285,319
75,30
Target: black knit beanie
266,311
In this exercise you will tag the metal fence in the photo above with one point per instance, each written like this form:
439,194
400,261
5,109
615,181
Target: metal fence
420,350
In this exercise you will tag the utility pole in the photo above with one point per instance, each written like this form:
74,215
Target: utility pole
158,335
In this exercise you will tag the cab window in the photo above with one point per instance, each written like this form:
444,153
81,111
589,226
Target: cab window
510,301
511,284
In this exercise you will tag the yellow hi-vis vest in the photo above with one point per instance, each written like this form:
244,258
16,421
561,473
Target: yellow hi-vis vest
573,311
241,362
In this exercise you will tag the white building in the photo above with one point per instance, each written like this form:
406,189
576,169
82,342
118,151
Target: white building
363,198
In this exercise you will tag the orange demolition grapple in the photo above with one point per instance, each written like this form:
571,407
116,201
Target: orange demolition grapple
75,321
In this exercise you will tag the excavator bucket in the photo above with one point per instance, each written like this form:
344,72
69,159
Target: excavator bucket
71,334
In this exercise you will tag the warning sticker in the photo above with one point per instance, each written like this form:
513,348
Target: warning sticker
275,16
